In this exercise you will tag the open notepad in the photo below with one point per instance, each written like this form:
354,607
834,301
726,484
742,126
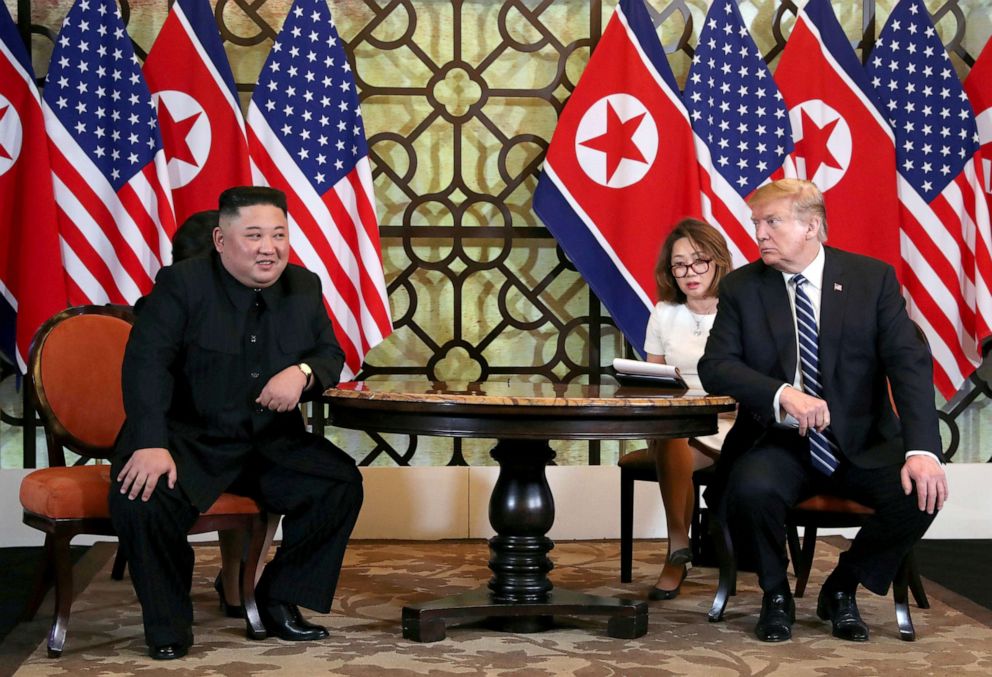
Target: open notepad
637,373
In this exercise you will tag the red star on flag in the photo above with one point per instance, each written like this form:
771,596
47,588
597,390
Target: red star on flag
181,151
617,142
813,147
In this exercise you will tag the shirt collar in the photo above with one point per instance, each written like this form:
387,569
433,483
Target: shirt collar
813,272
242,296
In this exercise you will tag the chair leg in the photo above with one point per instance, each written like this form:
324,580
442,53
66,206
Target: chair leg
120,562
695,526
249,565
626,526
900,594
804,564
915,582
63,594
42,582
728,569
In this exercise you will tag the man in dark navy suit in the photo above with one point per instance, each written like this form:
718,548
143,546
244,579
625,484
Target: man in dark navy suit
808,340
224,349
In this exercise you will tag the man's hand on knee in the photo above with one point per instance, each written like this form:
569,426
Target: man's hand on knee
931,482
283,390
142,471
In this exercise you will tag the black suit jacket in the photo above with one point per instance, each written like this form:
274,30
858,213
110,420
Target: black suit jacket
192,371
867,342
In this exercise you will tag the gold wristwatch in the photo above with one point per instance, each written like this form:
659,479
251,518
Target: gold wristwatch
307,371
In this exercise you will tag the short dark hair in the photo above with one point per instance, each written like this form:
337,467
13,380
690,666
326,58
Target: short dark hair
233,199
709,240
196,236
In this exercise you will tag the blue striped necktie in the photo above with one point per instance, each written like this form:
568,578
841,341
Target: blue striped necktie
822,447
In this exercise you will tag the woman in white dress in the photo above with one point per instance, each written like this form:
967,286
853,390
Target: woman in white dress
693,260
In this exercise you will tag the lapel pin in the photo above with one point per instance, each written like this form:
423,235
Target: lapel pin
838,286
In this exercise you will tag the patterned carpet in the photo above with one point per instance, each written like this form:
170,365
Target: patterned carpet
380,577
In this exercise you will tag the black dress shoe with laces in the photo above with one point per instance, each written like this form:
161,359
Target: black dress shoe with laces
168,652
778,613
842,611
286,622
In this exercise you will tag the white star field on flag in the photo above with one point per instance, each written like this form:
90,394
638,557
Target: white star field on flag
95,88
307,95
734,104
920,95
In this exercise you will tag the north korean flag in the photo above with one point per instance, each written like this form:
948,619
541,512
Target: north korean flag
203,131
843,143
620,170
32,280
978,86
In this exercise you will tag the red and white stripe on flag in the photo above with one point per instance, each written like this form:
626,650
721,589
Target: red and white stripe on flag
115,210
199,114
978,86
619,170
32,282
306,137
946,234
740,123
843,143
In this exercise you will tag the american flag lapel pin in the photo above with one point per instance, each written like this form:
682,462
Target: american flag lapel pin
838,286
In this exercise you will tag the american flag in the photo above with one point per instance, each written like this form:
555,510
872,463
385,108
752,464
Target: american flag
945,219
199,113
740,121
115,211
306,137
32,282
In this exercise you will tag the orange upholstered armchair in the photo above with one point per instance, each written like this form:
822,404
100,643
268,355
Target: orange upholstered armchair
75,366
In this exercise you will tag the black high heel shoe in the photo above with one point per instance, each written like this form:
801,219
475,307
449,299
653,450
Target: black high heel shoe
658,594
230,610
681,556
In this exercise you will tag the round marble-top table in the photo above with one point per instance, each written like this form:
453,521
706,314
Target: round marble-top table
522,416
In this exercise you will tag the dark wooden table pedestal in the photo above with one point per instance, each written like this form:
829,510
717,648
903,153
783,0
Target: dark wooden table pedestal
520,597
523,417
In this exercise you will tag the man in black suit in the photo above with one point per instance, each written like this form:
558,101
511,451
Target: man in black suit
222,352
808,340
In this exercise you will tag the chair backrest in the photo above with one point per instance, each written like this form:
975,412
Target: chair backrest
75,366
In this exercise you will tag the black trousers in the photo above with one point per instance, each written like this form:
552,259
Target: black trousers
776,474
318,517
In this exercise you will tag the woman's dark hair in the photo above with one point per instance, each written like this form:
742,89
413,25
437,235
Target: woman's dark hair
196,236
708,241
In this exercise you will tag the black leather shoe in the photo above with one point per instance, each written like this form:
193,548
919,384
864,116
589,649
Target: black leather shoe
657,593
841,609
230,610
285,622
167,652
778,613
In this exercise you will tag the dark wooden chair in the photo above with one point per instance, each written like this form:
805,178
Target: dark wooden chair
75,367
639,465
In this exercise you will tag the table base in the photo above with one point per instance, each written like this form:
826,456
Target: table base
427,622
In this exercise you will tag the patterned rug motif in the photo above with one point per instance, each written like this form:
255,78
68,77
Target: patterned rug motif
379,578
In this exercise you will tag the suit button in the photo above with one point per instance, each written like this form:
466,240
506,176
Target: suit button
259,409
254,374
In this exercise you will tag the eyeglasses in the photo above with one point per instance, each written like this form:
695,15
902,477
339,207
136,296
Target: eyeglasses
699,266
